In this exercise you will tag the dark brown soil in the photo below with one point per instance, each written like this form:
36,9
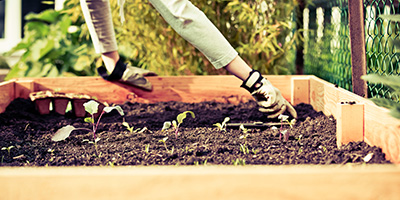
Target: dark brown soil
312,139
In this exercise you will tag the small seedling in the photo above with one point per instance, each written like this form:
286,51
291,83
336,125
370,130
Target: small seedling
164,141
245,132
239,161
285,134
244,149
176,123
8,149
222,126
147,148
94,143
129,128
92,108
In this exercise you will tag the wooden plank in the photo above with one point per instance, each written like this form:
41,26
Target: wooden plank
185,89
350,123
300,92
383,131
173,88
207,182
6,94
323,96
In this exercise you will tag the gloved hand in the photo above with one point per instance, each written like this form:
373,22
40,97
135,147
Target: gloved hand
267,96
134,76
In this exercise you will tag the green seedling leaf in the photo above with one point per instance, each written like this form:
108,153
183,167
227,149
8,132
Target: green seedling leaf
126,124
166,125
222,125
62,133
182,116
110,108
283,117
163,140
89,120
91,107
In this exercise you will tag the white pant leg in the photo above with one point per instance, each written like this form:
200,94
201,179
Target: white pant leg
98,18
192,24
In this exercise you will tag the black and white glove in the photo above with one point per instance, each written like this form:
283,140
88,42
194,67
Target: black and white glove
267,96
124,73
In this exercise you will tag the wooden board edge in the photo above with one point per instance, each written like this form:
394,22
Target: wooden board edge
208,182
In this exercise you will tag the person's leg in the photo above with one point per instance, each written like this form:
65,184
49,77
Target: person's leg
98,18
192,24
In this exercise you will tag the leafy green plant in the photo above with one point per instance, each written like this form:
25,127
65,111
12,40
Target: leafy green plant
393,83
92,108
176,123
222,126
54,44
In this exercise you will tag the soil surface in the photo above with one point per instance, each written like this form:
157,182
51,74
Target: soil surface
25,138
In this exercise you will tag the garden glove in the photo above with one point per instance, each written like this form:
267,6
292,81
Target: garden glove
267,96
124,73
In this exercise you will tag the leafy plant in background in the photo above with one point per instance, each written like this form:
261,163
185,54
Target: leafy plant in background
53,45
392,82
261,31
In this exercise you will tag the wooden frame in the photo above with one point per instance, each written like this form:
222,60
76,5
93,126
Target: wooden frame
374,126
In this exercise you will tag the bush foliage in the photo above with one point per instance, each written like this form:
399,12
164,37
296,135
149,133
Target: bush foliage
262,31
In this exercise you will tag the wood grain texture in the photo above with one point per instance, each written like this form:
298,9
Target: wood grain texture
350,123
201,182
300,92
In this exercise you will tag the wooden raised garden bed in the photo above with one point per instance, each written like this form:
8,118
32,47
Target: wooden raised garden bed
358,119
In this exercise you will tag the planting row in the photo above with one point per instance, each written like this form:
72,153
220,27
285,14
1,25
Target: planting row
59,102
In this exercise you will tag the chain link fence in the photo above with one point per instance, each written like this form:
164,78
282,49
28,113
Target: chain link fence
327,49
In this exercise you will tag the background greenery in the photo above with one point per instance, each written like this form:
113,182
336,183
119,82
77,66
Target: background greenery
57,43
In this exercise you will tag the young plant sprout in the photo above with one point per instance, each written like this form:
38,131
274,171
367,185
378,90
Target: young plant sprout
8,149
129,128
92,108
284,133
222,126
245,132
164,140
177,123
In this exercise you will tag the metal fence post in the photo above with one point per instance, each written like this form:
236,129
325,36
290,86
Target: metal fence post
357,41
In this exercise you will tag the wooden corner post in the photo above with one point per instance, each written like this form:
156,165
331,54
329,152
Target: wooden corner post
350,123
